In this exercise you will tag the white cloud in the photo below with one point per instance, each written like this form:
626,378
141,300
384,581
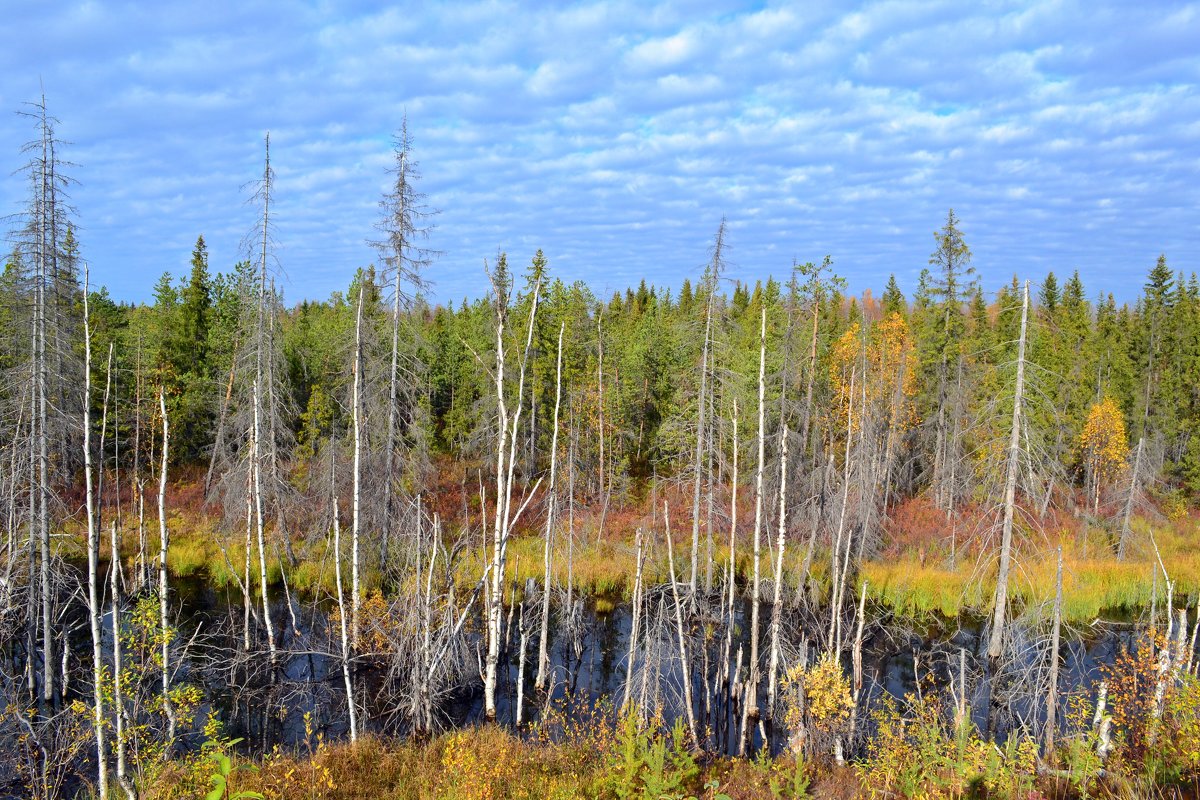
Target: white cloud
616,136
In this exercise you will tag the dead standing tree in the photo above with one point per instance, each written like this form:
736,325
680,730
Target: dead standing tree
750,699
543,667
403,225
712,277
508,428
93,555
1012,469
249,462
45,267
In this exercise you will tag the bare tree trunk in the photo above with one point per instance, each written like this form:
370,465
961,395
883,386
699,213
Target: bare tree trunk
750,706
600,396
833,642
1052,692
806,422
856,659
356,502
505,465
94,610
731,577
256,450
1123,542
139,485
635,626
50,697
701,407
685,665
543,635
996,640
777,602
341,597
115,592
389,453
523,645
163,545
219,436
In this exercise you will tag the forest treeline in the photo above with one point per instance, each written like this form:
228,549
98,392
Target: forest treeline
950,347
375,434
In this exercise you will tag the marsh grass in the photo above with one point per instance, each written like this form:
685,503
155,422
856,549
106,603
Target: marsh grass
911,576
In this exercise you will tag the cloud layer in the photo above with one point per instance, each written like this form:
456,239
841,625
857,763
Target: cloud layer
615,136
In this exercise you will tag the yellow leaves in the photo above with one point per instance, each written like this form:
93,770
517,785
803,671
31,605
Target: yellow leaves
890,383
827,699
828,692
1103,441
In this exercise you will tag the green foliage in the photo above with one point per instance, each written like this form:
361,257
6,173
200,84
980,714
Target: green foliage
224,770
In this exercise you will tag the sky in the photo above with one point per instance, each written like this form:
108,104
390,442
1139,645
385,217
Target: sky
616,135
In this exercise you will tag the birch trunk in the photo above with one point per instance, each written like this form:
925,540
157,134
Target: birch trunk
356,501
544,634
505,463
93,537
164,542
701,407
341,598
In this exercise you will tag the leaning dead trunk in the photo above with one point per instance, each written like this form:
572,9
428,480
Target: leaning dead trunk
1123,542
1000,610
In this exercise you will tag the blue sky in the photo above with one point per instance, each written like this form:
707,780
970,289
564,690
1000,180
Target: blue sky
615,135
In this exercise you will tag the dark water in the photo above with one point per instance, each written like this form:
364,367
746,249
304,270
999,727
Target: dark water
591,666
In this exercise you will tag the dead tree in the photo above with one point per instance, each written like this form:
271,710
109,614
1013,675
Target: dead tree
164,541
712,277
1052,691
685,664
341,596
1000,606
403,225
1130,499
750,702
777,602
551,510
356,500
506,445
93,549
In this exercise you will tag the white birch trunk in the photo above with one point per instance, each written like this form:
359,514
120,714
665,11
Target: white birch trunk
93,538
544,634
356,501
341,600
164,542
